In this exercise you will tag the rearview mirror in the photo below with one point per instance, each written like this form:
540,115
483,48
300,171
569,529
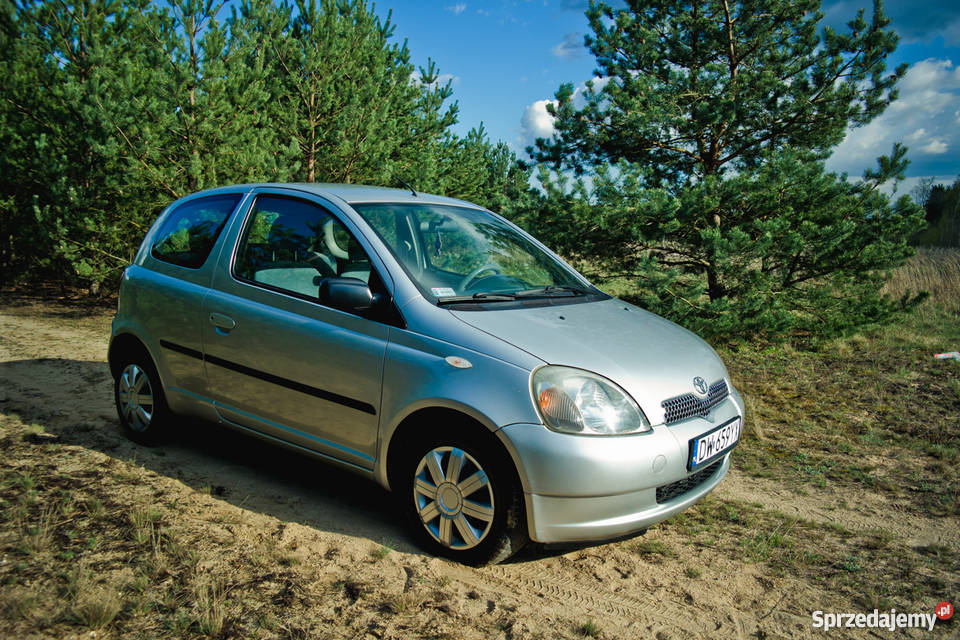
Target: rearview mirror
347,294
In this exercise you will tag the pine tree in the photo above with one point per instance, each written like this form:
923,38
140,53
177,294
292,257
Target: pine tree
18,229
704,135
941,206
63,173
206,121
472,168
346,95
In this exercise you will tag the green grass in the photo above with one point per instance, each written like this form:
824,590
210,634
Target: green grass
381,552
873,411
589,629
653,549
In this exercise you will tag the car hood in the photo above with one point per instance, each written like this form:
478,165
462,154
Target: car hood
651,358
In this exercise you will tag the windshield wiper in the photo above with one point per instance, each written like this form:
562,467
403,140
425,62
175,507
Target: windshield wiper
552,289
477,297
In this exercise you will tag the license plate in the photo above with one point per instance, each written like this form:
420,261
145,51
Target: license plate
709,446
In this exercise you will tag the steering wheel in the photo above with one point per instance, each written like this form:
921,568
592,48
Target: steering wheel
470,277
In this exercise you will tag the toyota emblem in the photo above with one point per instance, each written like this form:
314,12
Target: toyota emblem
700,386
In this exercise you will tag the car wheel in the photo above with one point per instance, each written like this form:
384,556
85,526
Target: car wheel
462,500
141,405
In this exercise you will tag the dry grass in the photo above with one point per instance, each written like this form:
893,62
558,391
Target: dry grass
210,611
403,604
96,607
843,414
37,536
124,564
145,526
933,269
18,603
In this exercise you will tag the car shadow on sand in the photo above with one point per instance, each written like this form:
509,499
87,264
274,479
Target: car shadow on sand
73,400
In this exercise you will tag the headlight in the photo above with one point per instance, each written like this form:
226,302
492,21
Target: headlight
576,401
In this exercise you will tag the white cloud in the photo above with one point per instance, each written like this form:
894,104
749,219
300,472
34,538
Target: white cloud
456,9
934,147
570,47
931,75
924,117
536,122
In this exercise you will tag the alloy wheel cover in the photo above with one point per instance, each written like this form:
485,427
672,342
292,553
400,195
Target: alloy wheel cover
453,497
135,397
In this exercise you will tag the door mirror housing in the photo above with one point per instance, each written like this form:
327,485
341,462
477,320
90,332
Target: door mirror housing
347,294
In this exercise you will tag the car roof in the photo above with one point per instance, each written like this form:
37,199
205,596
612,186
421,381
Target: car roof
354,193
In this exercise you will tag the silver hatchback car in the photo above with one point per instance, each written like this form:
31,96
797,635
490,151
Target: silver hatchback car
429,344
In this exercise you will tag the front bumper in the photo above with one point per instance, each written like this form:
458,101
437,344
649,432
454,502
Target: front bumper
582,519
583,488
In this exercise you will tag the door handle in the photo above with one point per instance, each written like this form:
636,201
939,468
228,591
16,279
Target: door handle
222,322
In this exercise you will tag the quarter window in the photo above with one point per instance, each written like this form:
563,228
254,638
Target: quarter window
190,231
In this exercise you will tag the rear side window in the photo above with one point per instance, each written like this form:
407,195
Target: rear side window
190,231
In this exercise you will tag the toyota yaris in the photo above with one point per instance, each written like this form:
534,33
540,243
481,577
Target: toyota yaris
431,345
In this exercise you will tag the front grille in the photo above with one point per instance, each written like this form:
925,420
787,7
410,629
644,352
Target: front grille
670,491
688,405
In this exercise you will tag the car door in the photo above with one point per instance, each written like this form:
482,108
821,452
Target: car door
277,360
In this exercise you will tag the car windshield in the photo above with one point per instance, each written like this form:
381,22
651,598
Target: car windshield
454,253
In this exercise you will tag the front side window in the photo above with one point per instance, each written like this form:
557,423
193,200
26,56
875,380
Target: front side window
292,245
454,252
188,234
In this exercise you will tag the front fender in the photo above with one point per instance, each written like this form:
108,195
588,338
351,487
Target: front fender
417,376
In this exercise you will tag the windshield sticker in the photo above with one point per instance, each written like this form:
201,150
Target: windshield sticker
441,292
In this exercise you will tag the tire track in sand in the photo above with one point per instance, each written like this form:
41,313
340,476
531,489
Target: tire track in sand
568,597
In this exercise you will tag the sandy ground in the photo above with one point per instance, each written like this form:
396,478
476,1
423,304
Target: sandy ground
53,373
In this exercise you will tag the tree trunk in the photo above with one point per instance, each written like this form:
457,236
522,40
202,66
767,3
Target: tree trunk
312,153
714,288
311,163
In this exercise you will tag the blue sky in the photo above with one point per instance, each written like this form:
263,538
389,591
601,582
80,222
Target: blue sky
507,57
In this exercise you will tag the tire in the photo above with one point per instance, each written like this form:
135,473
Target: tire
476,517
141,403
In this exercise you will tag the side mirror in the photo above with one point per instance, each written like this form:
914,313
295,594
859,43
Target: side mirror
347,294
